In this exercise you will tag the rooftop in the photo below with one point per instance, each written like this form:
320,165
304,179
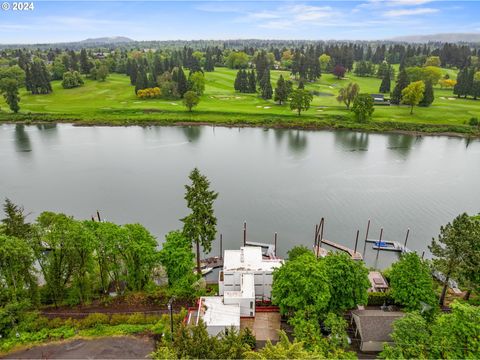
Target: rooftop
375,325
215,313
247,288
248,258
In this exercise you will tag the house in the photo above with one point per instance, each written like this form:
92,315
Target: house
377,282
374,327
245,297
248,260
216,315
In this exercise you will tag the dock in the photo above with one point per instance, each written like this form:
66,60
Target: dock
213,262
388,245
355,255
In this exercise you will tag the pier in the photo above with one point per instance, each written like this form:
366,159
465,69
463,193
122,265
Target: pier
319,240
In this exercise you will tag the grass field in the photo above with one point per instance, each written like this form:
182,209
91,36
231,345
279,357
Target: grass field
114,102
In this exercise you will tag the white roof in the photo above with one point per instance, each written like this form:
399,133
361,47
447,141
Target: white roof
247,288
215,313
248,258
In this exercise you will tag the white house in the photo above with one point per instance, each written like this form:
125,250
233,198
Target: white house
248,260
245,297
216,315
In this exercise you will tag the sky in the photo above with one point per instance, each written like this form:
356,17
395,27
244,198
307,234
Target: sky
65,21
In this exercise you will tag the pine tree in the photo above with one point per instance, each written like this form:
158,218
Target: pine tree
28,78
281,91
252,82
428,95
141,80
385,85
236,83
266,85
461,88
209,62
182,83
84,63
301,85
402,83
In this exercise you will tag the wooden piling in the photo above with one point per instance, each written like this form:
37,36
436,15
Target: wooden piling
356,241
406,238
423,254
275,248
221,246
244,233
366,237
316,236
378,247
98,216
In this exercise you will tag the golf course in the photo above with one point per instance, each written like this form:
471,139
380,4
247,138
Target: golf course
113,102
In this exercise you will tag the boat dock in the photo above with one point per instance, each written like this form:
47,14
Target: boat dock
355,255
388,245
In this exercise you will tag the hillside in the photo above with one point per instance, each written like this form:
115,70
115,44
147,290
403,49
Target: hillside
444,37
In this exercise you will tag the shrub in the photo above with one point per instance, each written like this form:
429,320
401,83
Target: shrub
93,320
473,121
379,298
149,93
71,79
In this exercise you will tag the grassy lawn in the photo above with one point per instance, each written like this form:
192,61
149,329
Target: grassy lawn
114,102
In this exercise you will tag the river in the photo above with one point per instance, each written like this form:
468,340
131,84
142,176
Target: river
280,181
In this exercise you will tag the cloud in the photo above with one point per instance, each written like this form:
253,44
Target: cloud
290,16
409,12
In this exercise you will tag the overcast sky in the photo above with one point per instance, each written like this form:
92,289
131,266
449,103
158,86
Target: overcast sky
63,21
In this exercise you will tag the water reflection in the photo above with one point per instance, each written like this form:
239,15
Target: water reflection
192,133
401,144
22,140
352,141
297,141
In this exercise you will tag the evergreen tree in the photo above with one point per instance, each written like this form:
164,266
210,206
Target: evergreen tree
281,91
301,85
182,83
252,82
385,85
209,62
9,89
141,80
402,83
236,83
428,95
85,65
464,82
39,81
266,85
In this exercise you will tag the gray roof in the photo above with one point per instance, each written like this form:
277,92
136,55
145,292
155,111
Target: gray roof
375,325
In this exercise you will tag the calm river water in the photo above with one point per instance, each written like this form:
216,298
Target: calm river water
277,180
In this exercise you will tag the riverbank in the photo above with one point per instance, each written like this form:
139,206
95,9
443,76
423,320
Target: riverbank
113,103
304,122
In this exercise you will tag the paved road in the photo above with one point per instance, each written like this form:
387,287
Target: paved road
104,348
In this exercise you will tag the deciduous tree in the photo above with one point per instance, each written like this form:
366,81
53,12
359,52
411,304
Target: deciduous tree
300,100
413,94
348,94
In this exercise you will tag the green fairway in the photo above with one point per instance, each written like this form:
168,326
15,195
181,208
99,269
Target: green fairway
114,101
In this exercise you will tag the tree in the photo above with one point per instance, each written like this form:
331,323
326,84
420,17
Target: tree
85,65
300,283
38,79
196,82
281,91
14,222
454,247
266,85
297,251
348,281
385,85
200,226
190,99
284,349
325,62
348,94
433,61
428,95
9,89
181,79
300,100
339,71
177,257
402,83
17,274
413,94
237,60
363,107
102,73
72,79
411,337
252,82
411,282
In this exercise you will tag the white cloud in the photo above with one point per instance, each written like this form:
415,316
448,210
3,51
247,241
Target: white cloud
409,12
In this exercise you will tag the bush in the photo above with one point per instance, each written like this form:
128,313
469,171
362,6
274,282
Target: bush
379,298
93,320
71,79
149,93
473,121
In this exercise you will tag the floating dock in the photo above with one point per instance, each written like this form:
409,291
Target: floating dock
355,255
388,245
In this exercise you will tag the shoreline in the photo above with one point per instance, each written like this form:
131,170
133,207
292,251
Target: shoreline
305,123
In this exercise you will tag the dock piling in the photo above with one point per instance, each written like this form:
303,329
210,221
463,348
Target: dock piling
406,238
356,241
244,233
275,248
221,246
98,216
366,237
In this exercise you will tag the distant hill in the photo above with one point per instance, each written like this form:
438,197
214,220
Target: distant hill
107,40
446,37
